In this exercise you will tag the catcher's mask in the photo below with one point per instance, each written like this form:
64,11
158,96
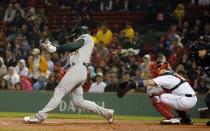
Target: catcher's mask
156,66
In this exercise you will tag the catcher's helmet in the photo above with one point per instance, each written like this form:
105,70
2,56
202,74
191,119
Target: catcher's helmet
79,30
156,66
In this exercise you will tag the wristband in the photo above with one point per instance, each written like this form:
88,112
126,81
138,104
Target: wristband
140,83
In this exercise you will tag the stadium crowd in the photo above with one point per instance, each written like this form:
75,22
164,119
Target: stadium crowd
118,55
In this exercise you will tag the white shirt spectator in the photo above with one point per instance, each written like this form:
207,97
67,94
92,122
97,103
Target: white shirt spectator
12,77
99,85
21,68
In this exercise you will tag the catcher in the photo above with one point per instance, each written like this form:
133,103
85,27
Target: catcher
168,91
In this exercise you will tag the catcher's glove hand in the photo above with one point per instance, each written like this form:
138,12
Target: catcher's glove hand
124,87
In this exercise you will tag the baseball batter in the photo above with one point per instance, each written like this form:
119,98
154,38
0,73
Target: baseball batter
167,90
80,53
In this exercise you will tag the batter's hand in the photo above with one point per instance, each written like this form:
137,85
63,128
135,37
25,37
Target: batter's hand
124,87
48,46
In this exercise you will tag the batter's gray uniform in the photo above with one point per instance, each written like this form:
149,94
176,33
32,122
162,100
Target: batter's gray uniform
72,83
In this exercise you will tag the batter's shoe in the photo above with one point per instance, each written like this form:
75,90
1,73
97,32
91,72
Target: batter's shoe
186,121
110,116
32,120
172,121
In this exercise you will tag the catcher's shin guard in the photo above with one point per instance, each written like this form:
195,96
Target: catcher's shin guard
162,108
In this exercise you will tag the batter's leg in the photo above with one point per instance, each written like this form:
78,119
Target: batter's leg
69,81
79,102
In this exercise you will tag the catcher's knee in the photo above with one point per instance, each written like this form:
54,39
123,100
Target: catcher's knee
155,99
162,108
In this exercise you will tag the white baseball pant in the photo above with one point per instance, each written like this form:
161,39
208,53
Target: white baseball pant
72,83
181,103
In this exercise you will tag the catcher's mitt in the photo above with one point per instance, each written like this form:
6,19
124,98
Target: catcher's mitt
124,87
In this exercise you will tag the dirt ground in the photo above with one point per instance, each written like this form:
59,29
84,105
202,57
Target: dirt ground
16,124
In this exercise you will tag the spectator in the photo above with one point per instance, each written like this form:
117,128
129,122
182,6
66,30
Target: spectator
13,33
9,13
59,72
104,35
180,68
137,41
161,57
21,68
3,85
22,46
129,32
195,33
99,85
192,74
3,68
50,63
176,42
179,12
162,46
206,17
12,79
112,86
206,31
51,83
102,50
3,43
38,66
138,77
201,82
176,50
18,20
126,76
19,9
10,59
144,66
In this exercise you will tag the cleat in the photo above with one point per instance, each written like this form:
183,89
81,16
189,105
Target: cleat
109,117
186,121
32,120
172,121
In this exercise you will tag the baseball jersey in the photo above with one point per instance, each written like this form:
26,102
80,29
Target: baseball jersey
83,54
97,88
170,81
